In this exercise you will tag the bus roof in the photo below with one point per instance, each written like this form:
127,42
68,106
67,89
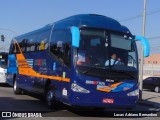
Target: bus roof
91,20
35,31
85,20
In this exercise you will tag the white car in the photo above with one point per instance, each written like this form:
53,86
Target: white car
3,71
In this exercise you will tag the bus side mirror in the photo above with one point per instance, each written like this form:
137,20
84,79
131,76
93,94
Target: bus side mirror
145,44
75,36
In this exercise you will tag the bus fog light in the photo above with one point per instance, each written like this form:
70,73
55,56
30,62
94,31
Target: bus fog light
77,88
134,93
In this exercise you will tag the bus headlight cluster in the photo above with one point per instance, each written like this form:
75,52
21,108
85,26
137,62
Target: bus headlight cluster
77,88
134,93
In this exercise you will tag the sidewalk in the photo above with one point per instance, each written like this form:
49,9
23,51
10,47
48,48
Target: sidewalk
150,99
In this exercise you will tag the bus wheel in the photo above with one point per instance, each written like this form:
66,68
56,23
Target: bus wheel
50,98
16,90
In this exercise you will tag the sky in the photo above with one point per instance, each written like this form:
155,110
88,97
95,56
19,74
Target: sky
22,16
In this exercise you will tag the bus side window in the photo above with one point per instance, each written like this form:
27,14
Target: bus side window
43,38
56,45
31,43
16,48
67,49
23,44
42,45
11,50
61,45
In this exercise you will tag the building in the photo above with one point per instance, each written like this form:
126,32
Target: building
153,59
152,65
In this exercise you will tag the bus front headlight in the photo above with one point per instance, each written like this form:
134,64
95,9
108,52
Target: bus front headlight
77,88
134,93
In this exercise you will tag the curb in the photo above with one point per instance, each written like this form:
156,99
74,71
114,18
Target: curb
149,103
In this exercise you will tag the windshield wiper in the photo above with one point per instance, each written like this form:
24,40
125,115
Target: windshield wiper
92,68
85,72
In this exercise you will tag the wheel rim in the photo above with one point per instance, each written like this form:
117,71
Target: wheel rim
15,86
49,98
156,89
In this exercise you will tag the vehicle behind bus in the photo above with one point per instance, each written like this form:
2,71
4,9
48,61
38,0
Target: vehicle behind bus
71,61
3,66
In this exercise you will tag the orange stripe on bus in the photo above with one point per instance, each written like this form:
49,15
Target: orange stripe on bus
116,84
25,69
104,89
109,88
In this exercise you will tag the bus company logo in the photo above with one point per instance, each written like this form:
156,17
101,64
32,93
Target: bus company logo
40,62
94,82
109,80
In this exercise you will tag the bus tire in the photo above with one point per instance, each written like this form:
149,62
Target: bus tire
50,99
16,90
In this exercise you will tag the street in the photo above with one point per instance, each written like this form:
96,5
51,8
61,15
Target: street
151,97
23,103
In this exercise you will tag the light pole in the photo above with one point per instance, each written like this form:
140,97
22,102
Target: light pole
142,51
144,18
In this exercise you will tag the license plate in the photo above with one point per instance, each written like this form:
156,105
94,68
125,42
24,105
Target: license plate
107,100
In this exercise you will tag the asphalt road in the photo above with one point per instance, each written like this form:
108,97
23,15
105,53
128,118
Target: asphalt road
30,103
151,96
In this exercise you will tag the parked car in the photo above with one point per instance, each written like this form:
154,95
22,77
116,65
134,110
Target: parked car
152,83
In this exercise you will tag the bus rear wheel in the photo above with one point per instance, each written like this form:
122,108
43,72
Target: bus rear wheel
50,99
16,90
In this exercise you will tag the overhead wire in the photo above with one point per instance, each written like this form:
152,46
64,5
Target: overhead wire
138,16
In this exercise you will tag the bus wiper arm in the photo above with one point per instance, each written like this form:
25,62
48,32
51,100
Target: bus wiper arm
85,72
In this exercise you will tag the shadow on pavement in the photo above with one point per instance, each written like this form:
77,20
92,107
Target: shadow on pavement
36,104
4,85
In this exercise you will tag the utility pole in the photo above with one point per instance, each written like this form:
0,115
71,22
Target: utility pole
144,19
142,51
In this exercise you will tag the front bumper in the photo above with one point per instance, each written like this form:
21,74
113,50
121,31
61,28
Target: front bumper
96,99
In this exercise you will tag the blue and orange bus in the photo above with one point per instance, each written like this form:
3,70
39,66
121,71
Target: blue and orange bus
84,60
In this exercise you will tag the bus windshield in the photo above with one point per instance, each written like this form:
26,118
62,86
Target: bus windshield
101,49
